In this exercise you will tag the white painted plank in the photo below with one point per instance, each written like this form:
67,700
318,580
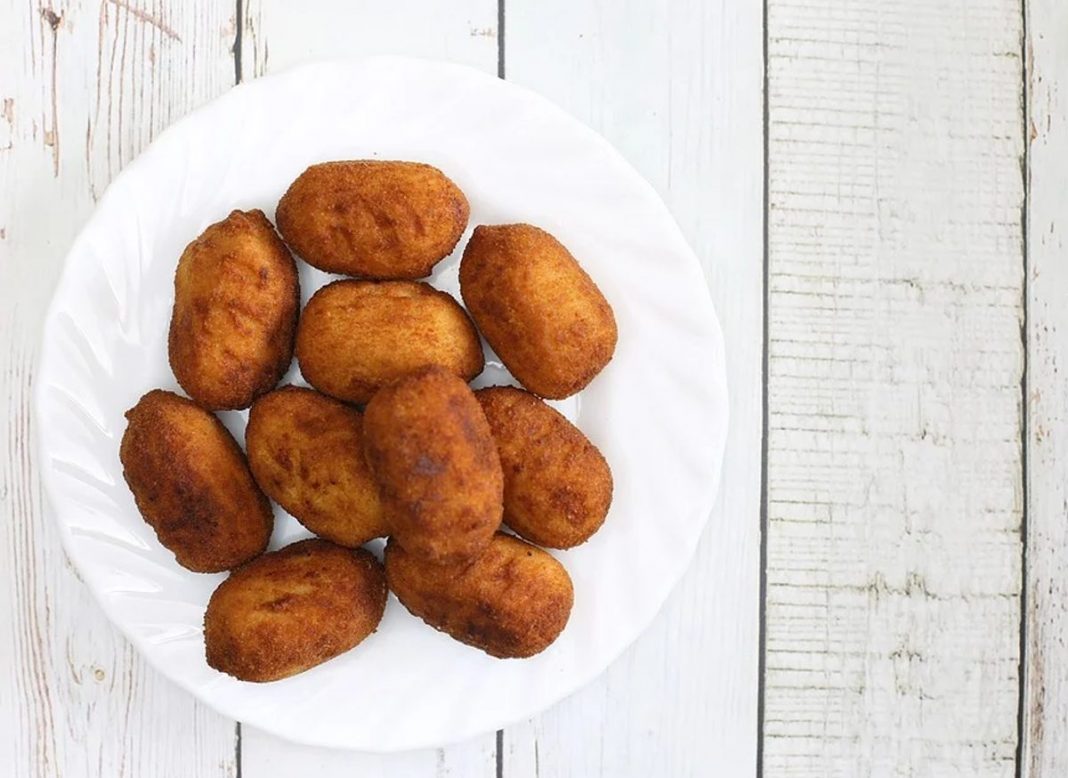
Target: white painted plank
83,87
677,87
1045,690
264,756
279,34
276,35
894,455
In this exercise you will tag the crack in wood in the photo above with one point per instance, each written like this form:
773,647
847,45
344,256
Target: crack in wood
51,135
144,16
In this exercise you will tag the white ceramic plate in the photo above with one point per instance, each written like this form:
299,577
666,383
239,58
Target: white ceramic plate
658,411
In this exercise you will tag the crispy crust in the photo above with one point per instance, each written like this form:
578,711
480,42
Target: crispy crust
431,451
306,452
236,301
371,218
192,485
557,485
537,308
292,609
512,601
357,336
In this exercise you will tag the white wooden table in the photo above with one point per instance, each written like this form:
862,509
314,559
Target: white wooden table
876,189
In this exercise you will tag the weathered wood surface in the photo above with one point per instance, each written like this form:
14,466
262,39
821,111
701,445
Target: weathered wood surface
895,480
1045,687
677,88
84,86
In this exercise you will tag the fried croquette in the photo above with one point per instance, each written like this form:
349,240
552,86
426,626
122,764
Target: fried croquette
236,299
537,308
293,609
557,485
512,601
370,218
305,451
356,336
432,454
192,485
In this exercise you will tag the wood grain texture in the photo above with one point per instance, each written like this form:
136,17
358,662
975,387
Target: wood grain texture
264,756
278,34
677,88
1045,688
895,365
84,86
